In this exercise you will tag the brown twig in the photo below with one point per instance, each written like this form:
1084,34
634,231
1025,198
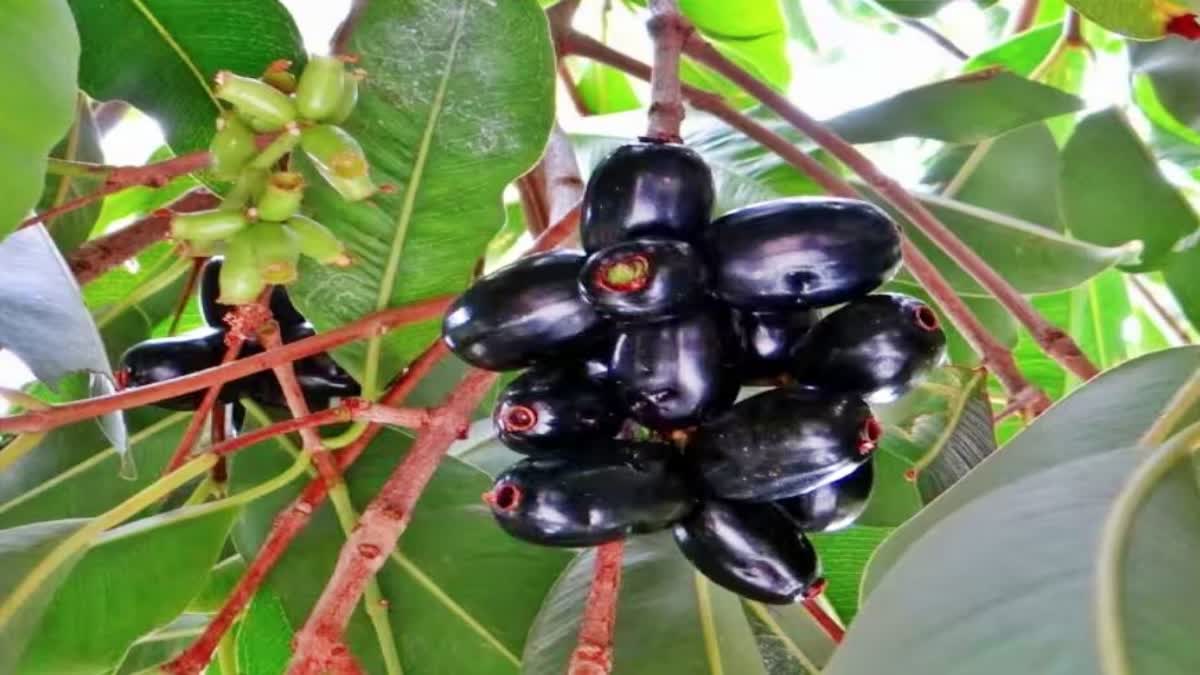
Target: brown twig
1161,311
1025,16
1054,341
388,319
938,38
669,31
530,188
381,525
1073,29
341,39
593,649
568,82
292,520
91,260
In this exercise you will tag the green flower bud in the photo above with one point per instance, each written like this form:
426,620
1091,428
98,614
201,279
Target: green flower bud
281,196
318,242
349,97
256,99
232,147
339,159
241,280
208,225
277,251
320,88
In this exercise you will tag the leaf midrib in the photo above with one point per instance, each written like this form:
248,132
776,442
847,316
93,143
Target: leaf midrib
177,48
708,625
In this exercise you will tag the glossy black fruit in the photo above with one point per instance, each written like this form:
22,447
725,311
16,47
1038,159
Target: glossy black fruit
320,377
802,252
876,347
751,549
588,500
675,373
529,310
161,359
646,189
645,280
555,409
832,506
766,340
214,312
784,442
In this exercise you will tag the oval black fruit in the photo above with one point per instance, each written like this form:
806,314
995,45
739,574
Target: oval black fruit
646,189
675,373
627,488
214,312
555,409
876,347
801,252
766,339
833,506
160,359
784,442
529,310
644,280
751,549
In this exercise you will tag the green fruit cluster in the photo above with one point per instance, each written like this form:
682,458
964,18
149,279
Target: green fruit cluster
259,227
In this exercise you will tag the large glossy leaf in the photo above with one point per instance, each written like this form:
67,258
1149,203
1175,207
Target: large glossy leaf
169,556
39,84
1112,190
1021,53
82,143
161,55
1141,19
459,102
844,557
1182,275
265,636
670,619
221,580
1113,410
450,612
1172,67
966,109
1028,551
158,647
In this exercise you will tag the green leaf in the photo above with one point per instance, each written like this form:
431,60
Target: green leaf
1112,191
161,55
966,109
450,613
161,645
1182,274
1021,53
1140,19
1113,410
914,7
1028,551
168,557
844,557
605,89
670,619
40,53
1171,67
264,641
82,143
21,550
467,109
221,580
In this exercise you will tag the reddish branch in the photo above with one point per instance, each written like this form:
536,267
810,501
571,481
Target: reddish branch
564,74
1025,16
292,520
828,624
593,650
381,525
669,31
99,255
530,187
388,319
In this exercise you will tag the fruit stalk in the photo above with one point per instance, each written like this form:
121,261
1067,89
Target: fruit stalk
669,32
593,651
1054,341
828,624
291,521
997,357
381,525
372,324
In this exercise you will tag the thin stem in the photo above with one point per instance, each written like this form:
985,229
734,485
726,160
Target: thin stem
593,650
18,448
669,30
1025,16
77,169
1164,314
828,624
1185,398
938,38
533,205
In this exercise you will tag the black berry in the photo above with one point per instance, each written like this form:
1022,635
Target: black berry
784,442
552,409
161,359
832,506
802,252
766,340
529,310
750,549
644,280
591,499
646,189
876,347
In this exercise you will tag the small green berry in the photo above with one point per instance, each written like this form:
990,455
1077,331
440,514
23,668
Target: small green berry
320,88
232,147
281,196
211,225
240,279
258,101
318,242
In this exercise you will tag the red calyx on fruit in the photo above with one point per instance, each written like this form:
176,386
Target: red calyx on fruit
1185,25
505,497
627,274
926,319
869,435
518,418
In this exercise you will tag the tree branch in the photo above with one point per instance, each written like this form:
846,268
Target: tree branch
1025,16
568,82
593,650
938,38
669,31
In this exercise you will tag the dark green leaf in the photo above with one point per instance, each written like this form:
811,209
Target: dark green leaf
1114,192
966,109
162,55
81,144
844,557
158,647
265,637
1021,53
914,7
1182,274
466,109
221,580
1172,67
39,50
1141,19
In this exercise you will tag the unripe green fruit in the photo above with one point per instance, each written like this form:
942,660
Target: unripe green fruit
258,101
232,147
211,225
339,159
283,80
240,279
318,242
349,98
281,196
277,251
319,90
